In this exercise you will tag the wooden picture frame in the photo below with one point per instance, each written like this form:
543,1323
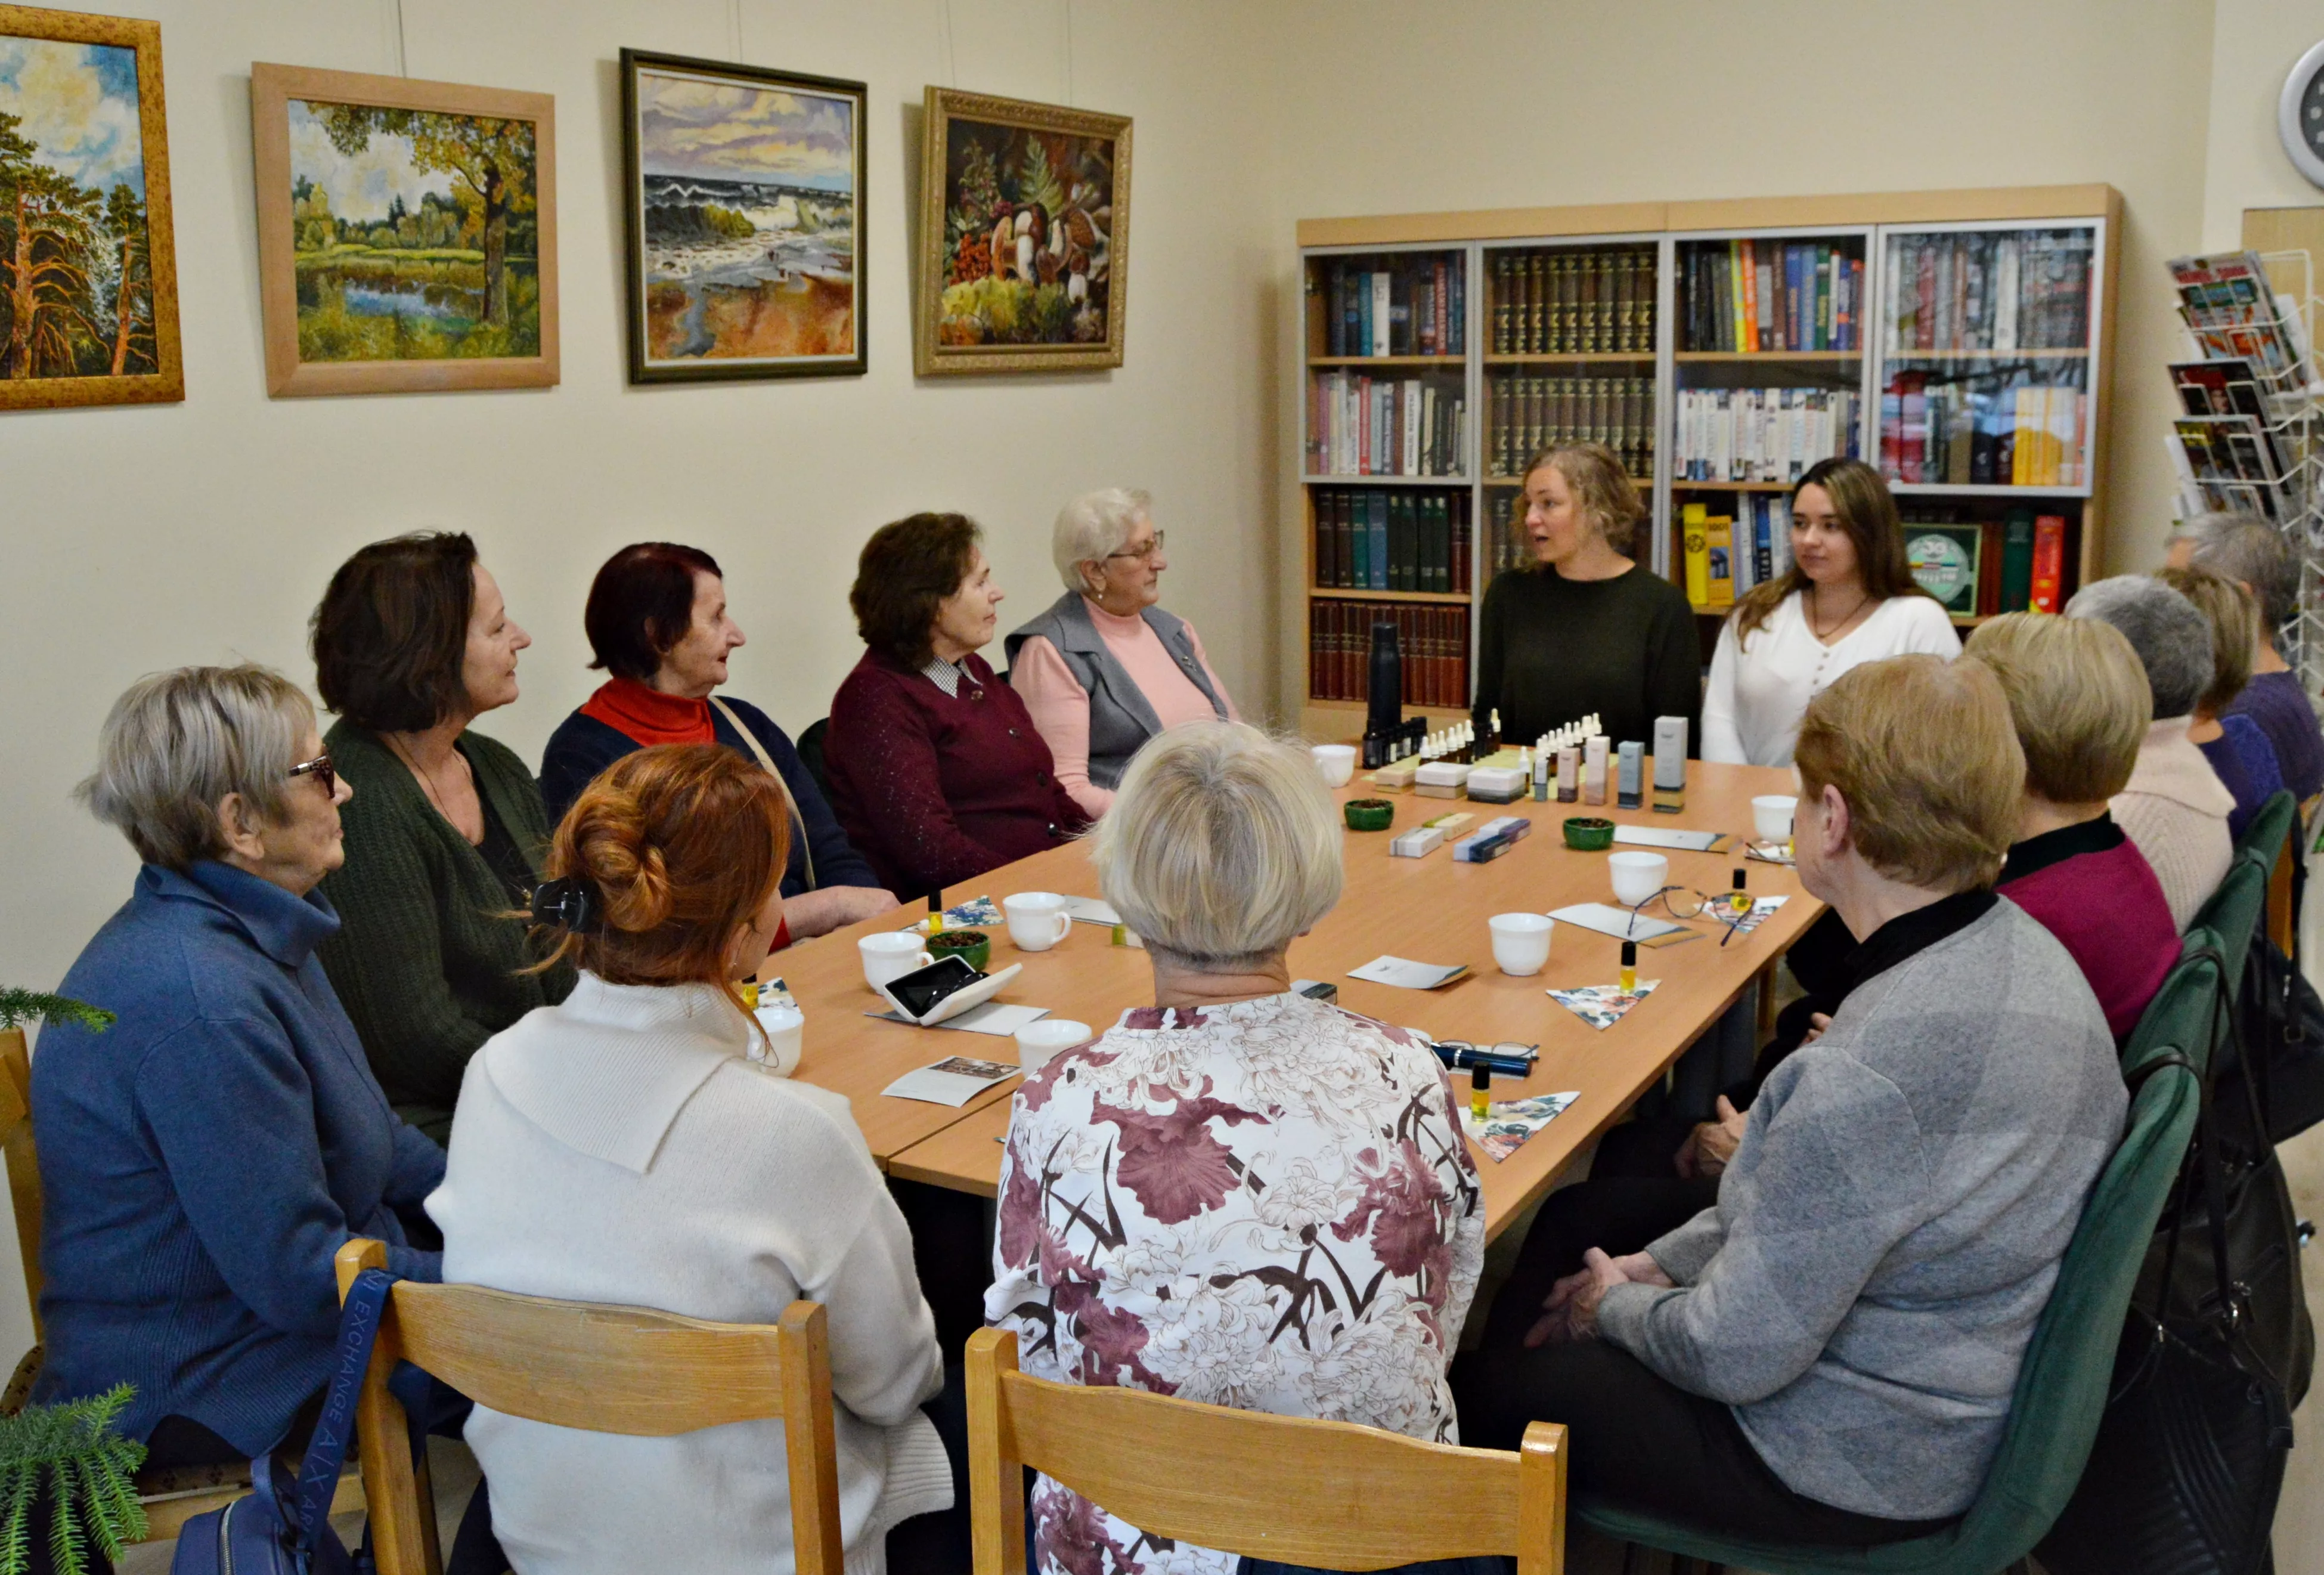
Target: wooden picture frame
742,211
1059,304
103,225
432,293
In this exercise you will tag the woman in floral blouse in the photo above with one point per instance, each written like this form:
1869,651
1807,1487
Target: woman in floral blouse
1238,1195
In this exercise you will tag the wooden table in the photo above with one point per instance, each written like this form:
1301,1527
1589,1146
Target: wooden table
1429,909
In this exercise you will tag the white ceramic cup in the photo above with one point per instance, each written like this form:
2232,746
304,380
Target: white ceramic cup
1636,876
1037,920
890,954
1771,816
785,1026
1520,941
1044,1037
1336,762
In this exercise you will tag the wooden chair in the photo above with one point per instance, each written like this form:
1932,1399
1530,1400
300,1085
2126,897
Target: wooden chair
171,1494
602,1369
1281,1487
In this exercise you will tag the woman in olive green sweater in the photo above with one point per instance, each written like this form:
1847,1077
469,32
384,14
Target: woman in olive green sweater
445,834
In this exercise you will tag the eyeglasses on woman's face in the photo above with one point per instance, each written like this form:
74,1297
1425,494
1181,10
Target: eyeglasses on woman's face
1146,550
321,769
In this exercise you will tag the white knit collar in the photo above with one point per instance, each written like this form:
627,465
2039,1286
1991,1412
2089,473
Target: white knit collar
607,1072
2172,766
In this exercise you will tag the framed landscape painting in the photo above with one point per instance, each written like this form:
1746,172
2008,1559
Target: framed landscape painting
743,201
407,233
1024,237
88,275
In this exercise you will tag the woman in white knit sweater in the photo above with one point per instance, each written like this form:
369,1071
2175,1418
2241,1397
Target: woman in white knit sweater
1849,598
2176,808
627,1147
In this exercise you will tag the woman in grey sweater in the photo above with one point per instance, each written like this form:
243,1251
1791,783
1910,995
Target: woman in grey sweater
1827,1354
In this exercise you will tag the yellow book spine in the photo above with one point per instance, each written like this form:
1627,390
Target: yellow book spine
1719,546
1697,554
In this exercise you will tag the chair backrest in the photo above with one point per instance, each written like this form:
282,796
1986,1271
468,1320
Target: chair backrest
2183,1018
810,753
2270,826
22,1162
1279,1488
2061,1387
600,1369
2233,912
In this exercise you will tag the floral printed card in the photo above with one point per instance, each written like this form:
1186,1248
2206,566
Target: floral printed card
976,913
1603,1005
1505,1128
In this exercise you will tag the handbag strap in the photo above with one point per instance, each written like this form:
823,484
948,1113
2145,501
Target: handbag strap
768,760
326,1452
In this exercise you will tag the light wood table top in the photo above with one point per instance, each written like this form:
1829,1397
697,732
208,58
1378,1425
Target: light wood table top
1430,909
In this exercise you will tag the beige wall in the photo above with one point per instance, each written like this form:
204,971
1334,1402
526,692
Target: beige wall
2254,48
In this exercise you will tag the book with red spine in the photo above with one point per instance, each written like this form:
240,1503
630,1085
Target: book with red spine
2048,563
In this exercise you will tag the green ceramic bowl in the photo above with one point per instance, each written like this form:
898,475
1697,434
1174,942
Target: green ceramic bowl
975,945
1370,814
1589,833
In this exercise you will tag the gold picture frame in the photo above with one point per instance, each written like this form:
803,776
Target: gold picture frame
434,292
1024,243
106,239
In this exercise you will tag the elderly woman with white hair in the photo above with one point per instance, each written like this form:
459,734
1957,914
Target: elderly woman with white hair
1190,1202
1104,669
2176,808
206,1156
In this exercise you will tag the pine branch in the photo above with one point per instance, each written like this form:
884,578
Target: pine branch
18,1007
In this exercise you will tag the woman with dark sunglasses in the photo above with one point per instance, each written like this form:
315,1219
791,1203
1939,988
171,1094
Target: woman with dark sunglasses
412,644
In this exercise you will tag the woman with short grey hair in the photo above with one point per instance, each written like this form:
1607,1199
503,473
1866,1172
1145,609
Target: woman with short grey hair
1186,1200
1104,669
206,1156
2176,808
2258,557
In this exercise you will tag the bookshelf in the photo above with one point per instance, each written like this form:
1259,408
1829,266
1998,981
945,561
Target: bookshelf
1720,346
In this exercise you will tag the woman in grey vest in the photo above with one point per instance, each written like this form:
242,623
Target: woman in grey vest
1104,669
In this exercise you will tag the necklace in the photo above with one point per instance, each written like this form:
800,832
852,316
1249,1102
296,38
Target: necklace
427,778
1815,599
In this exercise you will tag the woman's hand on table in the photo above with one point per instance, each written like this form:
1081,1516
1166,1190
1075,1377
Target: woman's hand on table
1569,1312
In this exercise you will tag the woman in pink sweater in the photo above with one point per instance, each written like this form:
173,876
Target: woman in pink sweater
1104,669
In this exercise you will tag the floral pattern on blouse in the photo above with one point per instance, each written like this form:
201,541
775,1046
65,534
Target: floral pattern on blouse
1267,1205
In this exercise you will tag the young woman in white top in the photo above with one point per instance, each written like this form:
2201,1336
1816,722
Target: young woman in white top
625,1146
1850,598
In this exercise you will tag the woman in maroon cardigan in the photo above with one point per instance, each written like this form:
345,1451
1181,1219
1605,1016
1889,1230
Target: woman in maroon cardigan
936,770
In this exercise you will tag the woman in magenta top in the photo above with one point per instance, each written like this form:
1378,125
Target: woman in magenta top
937,773
2079,697
1104,669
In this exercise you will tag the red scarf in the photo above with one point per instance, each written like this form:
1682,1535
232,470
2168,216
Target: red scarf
647,716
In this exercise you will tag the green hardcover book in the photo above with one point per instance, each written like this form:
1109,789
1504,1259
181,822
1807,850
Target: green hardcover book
1359,540
2017,560
1399,541
1440,517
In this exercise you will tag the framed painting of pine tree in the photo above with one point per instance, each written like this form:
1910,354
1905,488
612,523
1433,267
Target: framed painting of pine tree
407,233
88,275
1024,261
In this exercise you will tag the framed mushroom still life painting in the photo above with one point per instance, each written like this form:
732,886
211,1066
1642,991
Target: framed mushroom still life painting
1024,237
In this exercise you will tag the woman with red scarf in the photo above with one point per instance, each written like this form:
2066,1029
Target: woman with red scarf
657,620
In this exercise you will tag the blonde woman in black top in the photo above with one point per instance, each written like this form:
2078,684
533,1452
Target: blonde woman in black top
1585,629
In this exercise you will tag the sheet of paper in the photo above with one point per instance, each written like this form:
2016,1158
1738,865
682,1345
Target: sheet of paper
1618,922
1407,974
1603,1005
1505,1128
993,1017
1091,911
1669,837
954,1080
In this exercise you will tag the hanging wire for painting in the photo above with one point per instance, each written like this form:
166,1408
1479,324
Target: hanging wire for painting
952,65
402,60
735,12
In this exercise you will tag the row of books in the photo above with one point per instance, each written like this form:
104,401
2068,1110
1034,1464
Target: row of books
1989,289
1433,640
1391,539
1360,425
2231,309
1979,431
1982,567
1528,414
1726,554
1411,306
1574,303
1771,295
1761,434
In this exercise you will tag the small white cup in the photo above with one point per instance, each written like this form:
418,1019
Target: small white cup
890,954
1520,941
1336,762
1037,920
1044,1037
1771,816
1636,876
785,1026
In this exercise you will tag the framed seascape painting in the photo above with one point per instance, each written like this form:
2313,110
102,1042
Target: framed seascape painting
743,196
89,276
407,233
1024,237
